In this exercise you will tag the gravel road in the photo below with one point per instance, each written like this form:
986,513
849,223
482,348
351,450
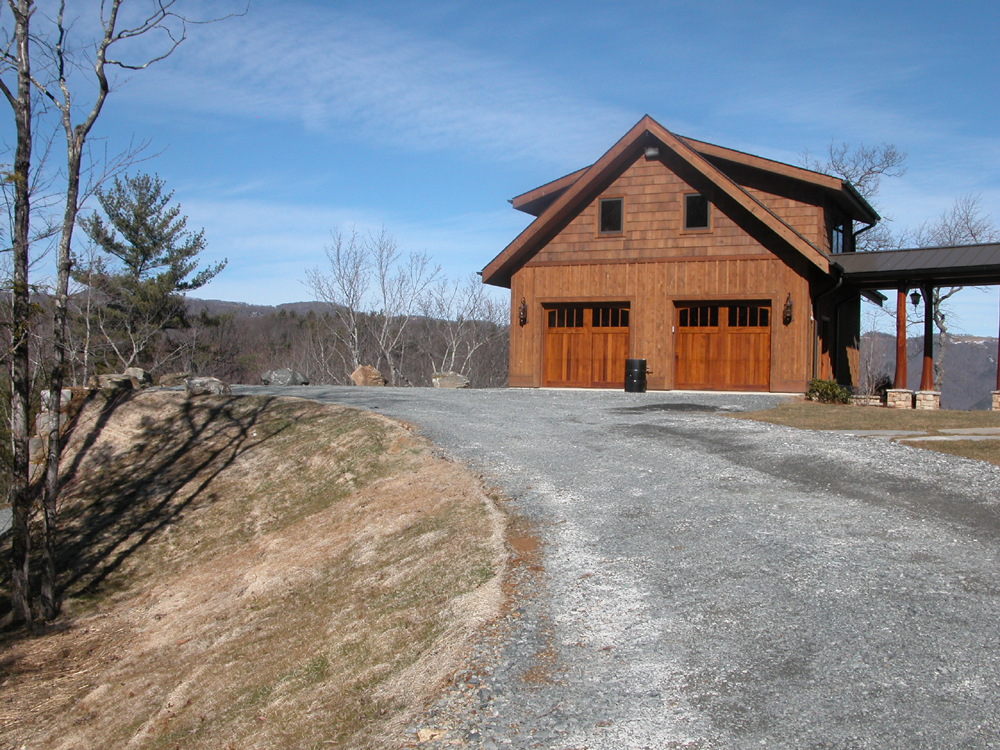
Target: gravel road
720,583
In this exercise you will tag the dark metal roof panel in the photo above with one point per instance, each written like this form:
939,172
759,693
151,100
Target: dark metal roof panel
963,264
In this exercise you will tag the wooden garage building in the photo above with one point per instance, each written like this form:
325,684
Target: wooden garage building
715,266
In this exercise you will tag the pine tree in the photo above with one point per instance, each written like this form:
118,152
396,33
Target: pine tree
149,260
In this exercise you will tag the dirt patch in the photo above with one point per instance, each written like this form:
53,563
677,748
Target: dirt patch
249,572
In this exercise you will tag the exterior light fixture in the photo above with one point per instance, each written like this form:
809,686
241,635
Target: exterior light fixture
786,315
522,313
652,152
915,299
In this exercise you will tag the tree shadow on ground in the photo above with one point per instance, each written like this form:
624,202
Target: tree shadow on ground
114,500
135,493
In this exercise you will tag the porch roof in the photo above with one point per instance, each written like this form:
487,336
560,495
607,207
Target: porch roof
964,265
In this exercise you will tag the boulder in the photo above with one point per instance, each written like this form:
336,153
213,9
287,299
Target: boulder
206,387
367,375
173,379
283,376
449,380
109,383
139,377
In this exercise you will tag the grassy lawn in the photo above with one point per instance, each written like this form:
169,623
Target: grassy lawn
807,415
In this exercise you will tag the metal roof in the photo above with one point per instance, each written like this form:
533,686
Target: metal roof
966,265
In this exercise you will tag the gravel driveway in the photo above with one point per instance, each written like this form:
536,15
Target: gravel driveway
720,583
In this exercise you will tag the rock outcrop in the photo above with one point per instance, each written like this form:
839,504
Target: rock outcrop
367,375
284,376
449,380
112,382
206,387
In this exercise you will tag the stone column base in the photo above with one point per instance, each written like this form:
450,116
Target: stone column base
996,401
899,398
928,400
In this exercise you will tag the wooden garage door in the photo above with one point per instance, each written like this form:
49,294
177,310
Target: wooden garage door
586,346
723,346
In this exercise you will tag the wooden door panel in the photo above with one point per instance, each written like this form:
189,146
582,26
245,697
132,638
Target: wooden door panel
608,354
566,359
585,346
735,354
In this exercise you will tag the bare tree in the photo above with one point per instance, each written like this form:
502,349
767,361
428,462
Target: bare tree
372,293
864,167
17,60
464,321
62,62
343,288
399,288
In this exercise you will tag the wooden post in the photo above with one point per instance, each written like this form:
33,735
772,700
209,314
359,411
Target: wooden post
927,375
899,381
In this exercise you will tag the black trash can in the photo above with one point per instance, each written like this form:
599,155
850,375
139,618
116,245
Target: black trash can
635,376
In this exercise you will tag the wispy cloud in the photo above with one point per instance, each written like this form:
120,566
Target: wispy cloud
270,245
366,80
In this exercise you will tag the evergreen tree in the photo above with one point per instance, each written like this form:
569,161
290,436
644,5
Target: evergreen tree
149,260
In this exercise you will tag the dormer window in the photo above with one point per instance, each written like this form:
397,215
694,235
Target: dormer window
610,215
696,211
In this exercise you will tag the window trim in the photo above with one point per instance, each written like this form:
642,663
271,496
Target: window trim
684,212
611,233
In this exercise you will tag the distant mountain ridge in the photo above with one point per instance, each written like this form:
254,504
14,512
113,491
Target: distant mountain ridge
245,309
970,366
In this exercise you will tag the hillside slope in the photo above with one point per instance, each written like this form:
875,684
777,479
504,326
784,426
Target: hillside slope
248,572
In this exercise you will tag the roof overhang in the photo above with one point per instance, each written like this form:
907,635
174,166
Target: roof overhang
962,265
840,191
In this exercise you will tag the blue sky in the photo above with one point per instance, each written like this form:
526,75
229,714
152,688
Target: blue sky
425,117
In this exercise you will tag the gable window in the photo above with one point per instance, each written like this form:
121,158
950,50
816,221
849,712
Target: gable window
695,211
610,215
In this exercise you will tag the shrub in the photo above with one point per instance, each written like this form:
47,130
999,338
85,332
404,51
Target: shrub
827,392
882,384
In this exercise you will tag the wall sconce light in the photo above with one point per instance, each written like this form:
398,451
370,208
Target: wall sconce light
786,314
915,299
522,313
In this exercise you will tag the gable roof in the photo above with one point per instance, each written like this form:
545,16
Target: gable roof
839,190
560,199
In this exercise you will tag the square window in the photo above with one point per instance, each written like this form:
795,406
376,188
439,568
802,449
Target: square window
695,211
610,215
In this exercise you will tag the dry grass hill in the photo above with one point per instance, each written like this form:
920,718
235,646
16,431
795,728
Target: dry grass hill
251,572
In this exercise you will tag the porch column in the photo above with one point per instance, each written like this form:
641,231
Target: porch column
927,375
899,380
996,394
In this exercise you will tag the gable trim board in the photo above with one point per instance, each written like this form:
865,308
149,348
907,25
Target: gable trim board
656,266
